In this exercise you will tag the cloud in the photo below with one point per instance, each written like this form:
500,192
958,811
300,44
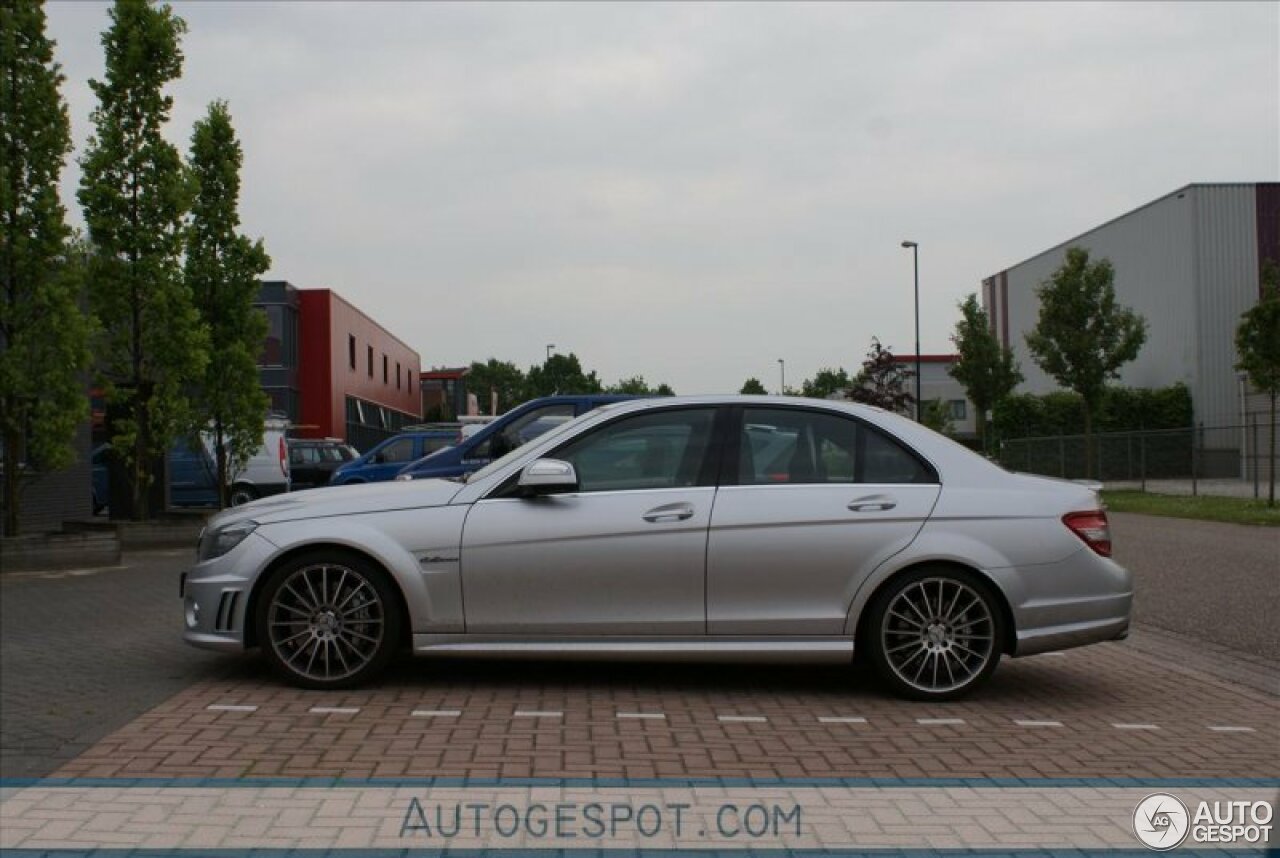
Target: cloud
693,191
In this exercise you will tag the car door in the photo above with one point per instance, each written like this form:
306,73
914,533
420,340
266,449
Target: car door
389,459
819,500
625,554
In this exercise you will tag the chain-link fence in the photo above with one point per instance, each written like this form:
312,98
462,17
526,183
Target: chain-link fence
1238,453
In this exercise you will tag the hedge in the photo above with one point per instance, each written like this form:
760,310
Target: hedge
1124,409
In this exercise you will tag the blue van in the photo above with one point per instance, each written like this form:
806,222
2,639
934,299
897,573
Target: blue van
518,426
387,458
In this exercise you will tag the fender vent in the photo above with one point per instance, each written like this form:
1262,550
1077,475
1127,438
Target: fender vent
226,610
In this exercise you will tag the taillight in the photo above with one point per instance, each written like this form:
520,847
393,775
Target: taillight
284,458
1092,527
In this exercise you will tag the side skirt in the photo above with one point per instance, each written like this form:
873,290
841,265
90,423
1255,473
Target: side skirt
833,650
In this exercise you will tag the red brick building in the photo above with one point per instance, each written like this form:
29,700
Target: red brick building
334,370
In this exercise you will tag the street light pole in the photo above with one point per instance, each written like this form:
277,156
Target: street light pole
550,346
782,371
915,258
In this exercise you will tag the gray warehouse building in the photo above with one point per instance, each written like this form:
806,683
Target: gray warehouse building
1190,263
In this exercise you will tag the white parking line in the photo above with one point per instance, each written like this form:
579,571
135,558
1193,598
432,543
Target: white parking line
935,721
1025,723
1054,654
1136,726
840,719
230,707
1229,729
537,713
436,713
656,716
743,719
334,710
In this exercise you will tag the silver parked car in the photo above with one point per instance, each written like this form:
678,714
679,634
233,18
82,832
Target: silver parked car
725,527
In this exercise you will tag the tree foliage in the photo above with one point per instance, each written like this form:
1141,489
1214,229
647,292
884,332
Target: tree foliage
937,416
826,382
496,376
135,195
560,374
985,369
637,386
1258,345
882,381
753,386
43,333
1083,335
223,268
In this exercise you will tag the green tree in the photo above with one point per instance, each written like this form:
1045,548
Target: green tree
753,386
560,374
1083,336
222,273
135,194
496,376
825,383
882,381
985,369
937,416
43,333
1258,344
637,386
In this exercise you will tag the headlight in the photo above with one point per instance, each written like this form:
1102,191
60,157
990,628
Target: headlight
218,542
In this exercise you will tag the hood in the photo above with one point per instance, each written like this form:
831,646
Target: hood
340,500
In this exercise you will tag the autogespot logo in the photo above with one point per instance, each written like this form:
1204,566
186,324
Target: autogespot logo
1161,821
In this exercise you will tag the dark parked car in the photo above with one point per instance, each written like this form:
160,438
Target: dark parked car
312,461
387,458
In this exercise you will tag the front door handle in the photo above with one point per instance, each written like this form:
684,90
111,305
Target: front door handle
874,503
669,512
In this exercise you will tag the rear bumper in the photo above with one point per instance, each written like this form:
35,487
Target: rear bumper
1082,599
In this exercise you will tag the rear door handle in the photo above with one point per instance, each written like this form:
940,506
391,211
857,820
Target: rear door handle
874,503
669,512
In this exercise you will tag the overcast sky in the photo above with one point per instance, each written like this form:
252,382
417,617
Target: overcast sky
689,191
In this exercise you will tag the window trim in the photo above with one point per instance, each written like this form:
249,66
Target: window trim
708,474
729,475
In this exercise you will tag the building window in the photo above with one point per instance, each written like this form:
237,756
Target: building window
385,378
957,409
397,375
351,350
370,361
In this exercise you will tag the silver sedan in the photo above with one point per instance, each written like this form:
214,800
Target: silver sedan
710,528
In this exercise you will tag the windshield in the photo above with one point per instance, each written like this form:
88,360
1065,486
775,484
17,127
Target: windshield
498,464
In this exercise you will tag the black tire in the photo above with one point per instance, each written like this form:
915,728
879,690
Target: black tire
328,619
935,650
242,494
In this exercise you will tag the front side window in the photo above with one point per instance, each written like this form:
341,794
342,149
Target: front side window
523,429
646,451
400,450
795,446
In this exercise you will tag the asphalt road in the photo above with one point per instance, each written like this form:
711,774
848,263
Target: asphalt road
83,655
1209,580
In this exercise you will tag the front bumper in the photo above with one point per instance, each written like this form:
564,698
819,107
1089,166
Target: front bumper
215,595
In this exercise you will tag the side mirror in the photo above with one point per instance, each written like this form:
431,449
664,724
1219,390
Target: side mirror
548,477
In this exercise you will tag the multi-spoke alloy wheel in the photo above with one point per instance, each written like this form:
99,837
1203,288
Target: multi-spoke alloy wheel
327,623
936,635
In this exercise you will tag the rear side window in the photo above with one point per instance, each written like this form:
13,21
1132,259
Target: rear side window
797,446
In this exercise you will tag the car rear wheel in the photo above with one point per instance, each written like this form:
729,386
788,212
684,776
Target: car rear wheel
935,634
242,494
328,621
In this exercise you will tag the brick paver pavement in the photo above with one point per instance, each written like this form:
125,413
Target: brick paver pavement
1114,710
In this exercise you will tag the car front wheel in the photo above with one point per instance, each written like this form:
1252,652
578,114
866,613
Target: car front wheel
328,621
935,634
